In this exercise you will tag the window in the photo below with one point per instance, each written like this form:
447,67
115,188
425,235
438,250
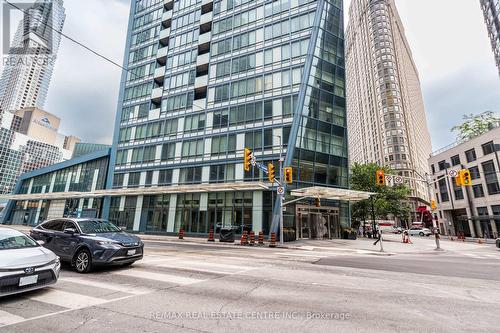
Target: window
194,123
134,179
190,175
488,148
470,155
474,172
192,148
165,177
118,180
223,144
443,190
490,177
455,160
433,169
221,173
478,191
168,152
442,165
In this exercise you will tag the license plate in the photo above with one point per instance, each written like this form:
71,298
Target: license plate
27,280
131,252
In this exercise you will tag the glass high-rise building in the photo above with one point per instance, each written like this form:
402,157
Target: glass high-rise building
491,11
206,79
29,65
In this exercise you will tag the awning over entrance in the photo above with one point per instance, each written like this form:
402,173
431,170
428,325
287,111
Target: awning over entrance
174,189
331,193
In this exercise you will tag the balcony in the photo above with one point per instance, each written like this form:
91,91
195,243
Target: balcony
166,19
161,56
159,75
202,60
207,6
168,4
206,22
201,81
164,36
204,43
156,95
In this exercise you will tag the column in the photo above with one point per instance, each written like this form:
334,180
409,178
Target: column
171,212
257,211
138,211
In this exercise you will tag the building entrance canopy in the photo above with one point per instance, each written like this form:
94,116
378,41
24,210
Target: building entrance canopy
174,189
331,193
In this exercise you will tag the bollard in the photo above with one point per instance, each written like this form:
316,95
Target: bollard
272,242
261,238
211,236
181,233
244,240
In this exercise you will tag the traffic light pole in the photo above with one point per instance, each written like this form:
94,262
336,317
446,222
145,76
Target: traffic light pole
282,196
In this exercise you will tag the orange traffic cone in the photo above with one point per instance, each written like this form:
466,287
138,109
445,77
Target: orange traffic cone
244,240
261,238
252,238
272,242
211,236
181,233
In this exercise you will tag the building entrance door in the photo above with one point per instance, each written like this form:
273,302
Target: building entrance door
317,223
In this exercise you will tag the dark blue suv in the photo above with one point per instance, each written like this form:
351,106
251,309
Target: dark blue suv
89,242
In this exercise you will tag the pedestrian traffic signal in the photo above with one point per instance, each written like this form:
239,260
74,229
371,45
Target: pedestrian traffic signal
271,172
466,177
288,175
317,202
380,177
247,159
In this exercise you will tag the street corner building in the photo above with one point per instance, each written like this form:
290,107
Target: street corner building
207,79
386,116
473,210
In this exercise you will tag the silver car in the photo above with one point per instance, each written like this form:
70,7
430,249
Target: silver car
24,264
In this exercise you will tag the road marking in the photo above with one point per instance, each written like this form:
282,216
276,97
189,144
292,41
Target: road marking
303,255
9,319
207,267
67,299
135,290
142,274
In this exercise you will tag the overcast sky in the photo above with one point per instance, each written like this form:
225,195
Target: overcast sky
448,39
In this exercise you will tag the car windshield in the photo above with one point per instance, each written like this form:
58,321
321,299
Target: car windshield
14,240
97,226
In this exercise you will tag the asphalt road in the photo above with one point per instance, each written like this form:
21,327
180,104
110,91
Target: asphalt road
184,287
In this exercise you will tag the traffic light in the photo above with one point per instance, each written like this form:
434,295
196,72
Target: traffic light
247,159
288,175
458,179
271,172
380,177
433,205
466,177
317,202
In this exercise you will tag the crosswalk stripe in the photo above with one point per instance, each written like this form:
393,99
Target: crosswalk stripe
142,274
67,299
135,290
303,255
207,267
9,319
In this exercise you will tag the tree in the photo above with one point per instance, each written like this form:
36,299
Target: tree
388,200
475,125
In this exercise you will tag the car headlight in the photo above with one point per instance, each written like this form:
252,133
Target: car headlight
57,260
107,243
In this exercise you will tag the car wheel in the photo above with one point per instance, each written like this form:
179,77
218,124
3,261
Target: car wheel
421,233
83,261
128,264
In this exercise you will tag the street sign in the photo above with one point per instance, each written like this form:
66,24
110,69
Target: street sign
253,160
453,173
281,190
398,180
388,179
262,167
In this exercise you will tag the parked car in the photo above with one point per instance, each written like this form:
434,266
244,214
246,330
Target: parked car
414,231
24,264
498,243
86,243
397,230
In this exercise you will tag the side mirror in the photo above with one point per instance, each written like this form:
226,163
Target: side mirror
40,242
70,231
